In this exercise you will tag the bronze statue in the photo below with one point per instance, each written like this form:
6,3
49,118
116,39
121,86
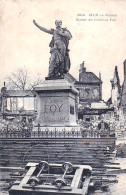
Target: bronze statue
59,63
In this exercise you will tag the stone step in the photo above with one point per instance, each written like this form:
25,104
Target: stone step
77,150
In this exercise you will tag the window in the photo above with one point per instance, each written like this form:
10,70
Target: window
87,119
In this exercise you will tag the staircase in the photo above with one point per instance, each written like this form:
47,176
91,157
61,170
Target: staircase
91,151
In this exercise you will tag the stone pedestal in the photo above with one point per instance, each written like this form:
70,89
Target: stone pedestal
56,104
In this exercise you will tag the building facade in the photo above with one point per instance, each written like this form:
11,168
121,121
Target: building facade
89,86
17,103
123,98
118,101
116,90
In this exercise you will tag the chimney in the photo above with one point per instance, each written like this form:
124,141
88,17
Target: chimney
100,75
116,69
82,68
3,89
124,69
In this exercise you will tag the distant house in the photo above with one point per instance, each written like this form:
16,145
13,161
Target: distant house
118,101
91,107
89,86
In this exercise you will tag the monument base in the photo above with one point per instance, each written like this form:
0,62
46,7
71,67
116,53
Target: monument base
56,104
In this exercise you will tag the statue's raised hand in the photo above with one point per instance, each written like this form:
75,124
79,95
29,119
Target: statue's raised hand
34,21
42,28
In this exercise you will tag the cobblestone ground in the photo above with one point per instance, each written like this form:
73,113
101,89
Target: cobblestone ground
114,189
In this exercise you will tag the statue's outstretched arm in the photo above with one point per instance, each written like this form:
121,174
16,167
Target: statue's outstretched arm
42,28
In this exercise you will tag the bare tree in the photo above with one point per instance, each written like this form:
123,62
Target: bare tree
21,80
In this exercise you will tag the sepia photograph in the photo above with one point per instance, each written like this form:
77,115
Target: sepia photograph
62,97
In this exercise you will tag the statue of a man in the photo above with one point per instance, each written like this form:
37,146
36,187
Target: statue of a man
59,62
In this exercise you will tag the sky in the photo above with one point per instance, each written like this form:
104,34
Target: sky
98,28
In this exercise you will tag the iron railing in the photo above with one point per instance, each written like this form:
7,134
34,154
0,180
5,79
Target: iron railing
50,133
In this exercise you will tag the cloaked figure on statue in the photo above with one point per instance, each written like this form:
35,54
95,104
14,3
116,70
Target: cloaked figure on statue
59,63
